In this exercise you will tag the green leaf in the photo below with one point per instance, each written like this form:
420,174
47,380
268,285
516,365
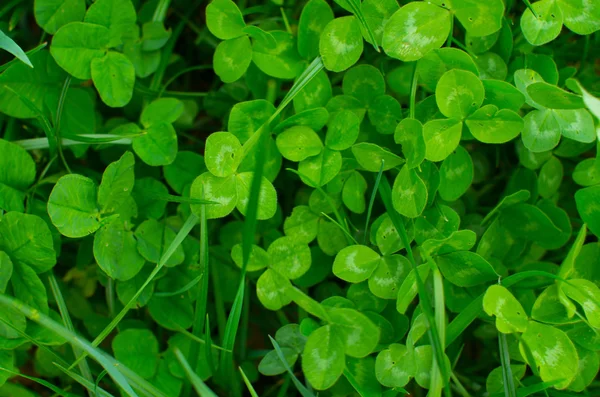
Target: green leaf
154,36
545,25
289,257
162,110
117,15
152,238
232,58
503,95
370,156
576,124
224,19
172,313
491,125
364,82
281,61
44,80
553,97
459,93
550,177
434,64
414,30
388,276
6,270
72,206
541,131
302,224
116,251
465,268
28,287
409,193
510,315
258,260
267,195
456,175
376,14
554,354
359,333
341,43
17,175
384,113
272,290
355,263
8,44
582,17
409,134
114,77
479,18
76,44
220,190
117,184
395,366
51,15
298,143
316,14
222,153
138,350
491,66
183,170
441,138
157,145
343,130
319,170
587,206
323,359
247,117
353,193
271,364
587,294
27,240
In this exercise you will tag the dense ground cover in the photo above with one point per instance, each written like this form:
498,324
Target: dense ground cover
281,197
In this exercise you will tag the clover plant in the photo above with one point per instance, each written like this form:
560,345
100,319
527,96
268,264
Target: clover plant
299,197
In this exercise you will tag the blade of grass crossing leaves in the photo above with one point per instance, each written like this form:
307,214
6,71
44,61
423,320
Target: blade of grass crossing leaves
372,201
385,192
30,52
357,11
42,382
64,313
440,320
98,380
59,110
181,235
251,390
105,361
83,382
181,290
507,376
43,143
8,44
299,386
199,385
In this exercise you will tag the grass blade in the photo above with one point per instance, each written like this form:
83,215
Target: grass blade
43,143
108,363
301,388
199,385
181,290
8,44
437,381
372,201
507,376
253,392
83,382
64,313
385,192
42,382
30,52
181,235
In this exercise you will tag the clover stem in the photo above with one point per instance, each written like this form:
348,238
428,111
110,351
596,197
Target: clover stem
586,51
61,103
285,21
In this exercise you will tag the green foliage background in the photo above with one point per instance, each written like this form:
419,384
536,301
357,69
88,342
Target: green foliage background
280,197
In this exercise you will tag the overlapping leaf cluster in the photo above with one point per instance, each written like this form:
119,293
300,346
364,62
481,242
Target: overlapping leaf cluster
405,194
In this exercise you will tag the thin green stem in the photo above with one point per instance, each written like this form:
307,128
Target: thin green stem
528,4
413,92
372,201
161,11
61,103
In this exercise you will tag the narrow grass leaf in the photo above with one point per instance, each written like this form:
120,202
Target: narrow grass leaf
251,390
299,386
199,385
